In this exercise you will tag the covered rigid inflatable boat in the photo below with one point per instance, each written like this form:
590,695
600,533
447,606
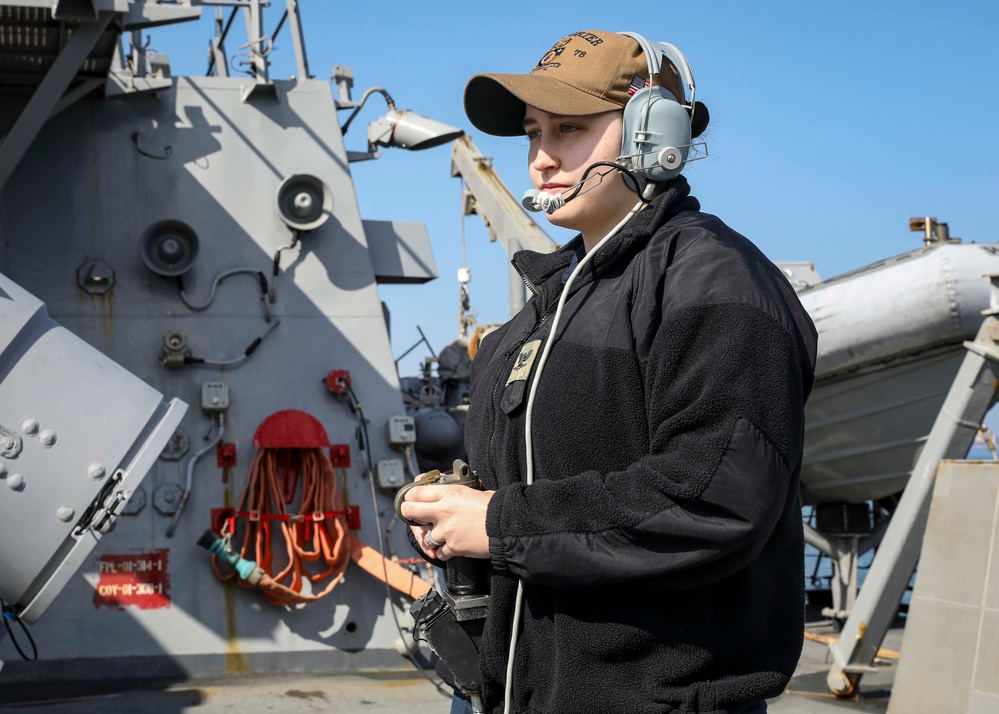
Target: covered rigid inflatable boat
891,340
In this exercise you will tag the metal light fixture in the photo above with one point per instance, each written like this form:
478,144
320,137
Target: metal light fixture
409,130
401,128
95,277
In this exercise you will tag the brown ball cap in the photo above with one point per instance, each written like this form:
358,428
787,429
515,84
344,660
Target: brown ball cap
587,72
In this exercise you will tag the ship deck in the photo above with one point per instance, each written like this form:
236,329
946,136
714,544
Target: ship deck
390,693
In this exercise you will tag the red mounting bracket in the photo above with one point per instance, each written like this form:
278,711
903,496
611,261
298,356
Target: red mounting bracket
226,454
340,456
354,518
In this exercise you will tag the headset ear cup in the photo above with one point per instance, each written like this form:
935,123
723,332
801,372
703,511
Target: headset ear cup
653,122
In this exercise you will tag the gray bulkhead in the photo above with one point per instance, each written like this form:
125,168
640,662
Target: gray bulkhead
97,177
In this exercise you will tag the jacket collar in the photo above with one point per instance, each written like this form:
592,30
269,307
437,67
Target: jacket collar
537,268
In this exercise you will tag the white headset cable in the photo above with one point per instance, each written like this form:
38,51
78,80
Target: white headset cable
529,442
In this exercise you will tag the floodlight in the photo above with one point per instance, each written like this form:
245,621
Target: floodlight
401,128
409,130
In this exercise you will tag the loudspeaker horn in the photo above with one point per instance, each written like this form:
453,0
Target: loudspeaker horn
304,202
169,248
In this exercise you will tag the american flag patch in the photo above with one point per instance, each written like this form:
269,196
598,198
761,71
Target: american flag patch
636,84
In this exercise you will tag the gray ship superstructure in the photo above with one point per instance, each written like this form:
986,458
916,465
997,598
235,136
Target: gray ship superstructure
203,233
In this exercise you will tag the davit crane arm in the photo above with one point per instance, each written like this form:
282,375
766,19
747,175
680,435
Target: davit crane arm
487,196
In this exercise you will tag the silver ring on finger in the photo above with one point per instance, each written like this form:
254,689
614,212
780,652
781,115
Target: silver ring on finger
434,543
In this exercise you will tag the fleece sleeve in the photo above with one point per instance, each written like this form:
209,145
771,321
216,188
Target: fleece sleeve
725,411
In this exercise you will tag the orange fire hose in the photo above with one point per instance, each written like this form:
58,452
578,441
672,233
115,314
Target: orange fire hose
317,535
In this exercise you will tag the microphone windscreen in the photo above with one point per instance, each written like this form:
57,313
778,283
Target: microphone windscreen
530,200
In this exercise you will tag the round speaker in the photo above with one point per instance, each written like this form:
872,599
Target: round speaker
304,202
169,248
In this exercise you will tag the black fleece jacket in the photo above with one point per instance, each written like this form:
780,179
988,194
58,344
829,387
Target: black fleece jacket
660,545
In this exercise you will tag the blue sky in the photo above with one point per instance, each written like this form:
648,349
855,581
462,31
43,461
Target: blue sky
832,122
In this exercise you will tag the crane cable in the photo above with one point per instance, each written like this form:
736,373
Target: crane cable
317,534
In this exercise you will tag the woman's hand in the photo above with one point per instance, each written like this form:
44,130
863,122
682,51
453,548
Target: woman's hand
455,518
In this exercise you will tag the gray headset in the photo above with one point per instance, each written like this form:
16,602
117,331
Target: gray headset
656,130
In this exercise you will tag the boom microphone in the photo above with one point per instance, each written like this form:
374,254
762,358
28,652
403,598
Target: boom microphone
536,201
530,200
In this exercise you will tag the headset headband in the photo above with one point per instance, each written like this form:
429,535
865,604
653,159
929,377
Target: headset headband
654,52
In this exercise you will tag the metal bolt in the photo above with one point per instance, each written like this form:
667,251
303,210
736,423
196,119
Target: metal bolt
10,443
29,426
166,497
177,446
48,438
65,514
15,482
135,503
96,472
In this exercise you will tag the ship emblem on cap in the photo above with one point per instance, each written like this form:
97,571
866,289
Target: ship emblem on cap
546,62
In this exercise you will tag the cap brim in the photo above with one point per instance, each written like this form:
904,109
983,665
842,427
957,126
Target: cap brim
495,103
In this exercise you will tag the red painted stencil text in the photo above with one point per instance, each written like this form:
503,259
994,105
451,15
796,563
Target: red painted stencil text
139,579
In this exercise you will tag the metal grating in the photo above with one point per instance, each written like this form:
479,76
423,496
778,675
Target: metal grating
28,38
24,14
31,39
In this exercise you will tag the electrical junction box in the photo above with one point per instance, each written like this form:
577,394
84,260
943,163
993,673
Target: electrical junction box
214,397
401,431
391,474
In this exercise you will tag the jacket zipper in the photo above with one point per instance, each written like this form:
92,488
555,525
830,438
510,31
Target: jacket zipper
527,282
